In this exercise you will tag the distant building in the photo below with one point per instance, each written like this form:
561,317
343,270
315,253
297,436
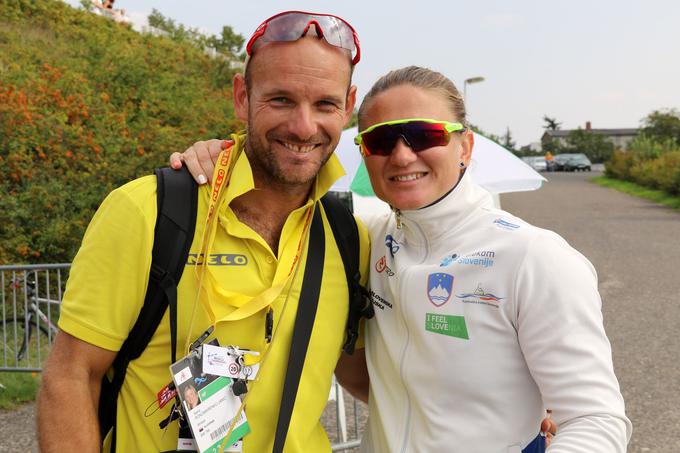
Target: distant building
533,147
619,137
536,147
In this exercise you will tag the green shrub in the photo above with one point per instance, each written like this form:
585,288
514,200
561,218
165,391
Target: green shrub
86,105
619,165
666,171
646,147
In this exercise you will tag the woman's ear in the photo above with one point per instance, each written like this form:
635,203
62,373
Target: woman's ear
467,144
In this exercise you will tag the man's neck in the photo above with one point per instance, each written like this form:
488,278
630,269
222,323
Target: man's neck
266,210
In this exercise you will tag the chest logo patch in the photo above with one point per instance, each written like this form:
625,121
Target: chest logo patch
448,260
392,245
381,266
439,288
452,326
480,296
504,224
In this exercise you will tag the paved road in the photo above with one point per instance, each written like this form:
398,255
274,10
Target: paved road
635,247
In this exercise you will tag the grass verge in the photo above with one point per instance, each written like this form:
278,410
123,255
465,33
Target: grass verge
17,388
657,196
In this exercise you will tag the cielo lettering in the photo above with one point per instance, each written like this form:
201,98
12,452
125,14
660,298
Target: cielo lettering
225,157
218,259
218,183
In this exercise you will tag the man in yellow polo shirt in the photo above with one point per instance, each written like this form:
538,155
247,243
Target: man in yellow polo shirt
296,97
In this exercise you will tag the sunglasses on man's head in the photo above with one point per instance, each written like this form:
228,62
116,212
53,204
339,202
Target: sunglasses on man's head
418,133
293,25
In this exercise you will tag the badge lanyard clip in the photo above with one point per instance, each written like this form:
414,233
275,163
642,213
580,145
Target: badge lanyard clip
199,341
269,325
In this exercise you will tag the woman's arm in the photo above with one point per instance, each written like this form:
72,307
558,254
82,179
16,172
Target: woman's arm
561,333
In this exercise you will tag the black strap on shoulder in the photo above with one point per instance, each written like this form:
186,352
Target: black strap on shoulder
304,321
346,234
177,198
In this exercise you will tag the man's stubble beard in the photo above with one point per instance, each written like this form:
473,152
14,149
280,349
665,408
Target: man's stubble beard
264,163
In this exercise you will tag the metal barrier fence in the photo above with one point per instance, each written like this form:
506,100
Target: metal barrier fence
31,297
348,416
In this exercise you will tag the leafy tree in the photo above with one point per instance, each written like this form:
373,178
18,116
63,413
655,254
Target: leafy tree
597,147
228,43
508,142
662,125
86,5
551,124
488,135
551,145
646,147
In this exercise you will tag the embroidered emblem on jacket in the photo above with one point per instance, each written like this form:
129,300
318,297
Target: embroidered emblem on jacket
439,288
480,296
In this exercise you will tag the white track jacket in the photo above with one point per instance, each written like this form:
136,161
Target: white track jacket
482,322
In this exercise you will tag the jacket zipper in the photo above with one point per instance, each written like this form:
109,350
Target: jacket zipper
402,306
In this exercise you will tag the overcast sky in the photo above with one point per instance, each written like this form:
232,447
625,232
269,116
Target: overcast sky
610,62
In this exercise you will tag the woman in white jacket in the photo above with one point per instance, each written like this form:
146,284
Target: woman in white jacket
482,320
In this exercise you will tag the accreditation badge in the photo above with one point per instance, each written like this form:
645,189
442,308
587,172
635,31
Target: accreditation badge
209,404
230,362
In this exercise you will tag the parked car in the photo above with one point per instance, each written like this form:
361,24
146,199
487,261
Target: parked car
577,163
536,162
571,162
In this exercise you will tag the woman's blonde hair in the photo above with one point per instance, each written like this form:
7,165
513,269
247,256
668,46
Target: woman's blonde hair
420,78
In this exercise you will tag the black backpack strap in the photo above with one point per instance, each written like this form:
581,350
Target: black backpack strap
346,234
304,322
177,199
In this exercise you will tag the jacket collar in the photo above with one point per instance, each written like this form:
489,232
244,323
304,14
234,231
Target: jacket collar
447,214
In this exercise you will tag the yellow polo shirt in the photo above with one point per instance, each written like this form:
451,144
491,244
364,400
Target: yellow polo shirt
106,289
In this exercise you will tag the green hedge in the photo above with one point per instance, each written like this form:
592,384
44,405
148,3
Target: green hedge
85,105
648,162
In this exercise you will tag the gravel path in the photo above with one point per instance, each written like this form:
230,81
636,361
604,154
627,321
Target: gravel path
17,427
17,430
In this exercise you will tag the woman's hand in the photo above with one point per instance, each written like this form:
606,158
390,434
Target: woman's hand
200,158
549,427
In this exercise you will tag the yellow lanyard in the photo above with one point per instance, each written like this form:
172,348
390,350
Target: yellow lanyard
244,306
